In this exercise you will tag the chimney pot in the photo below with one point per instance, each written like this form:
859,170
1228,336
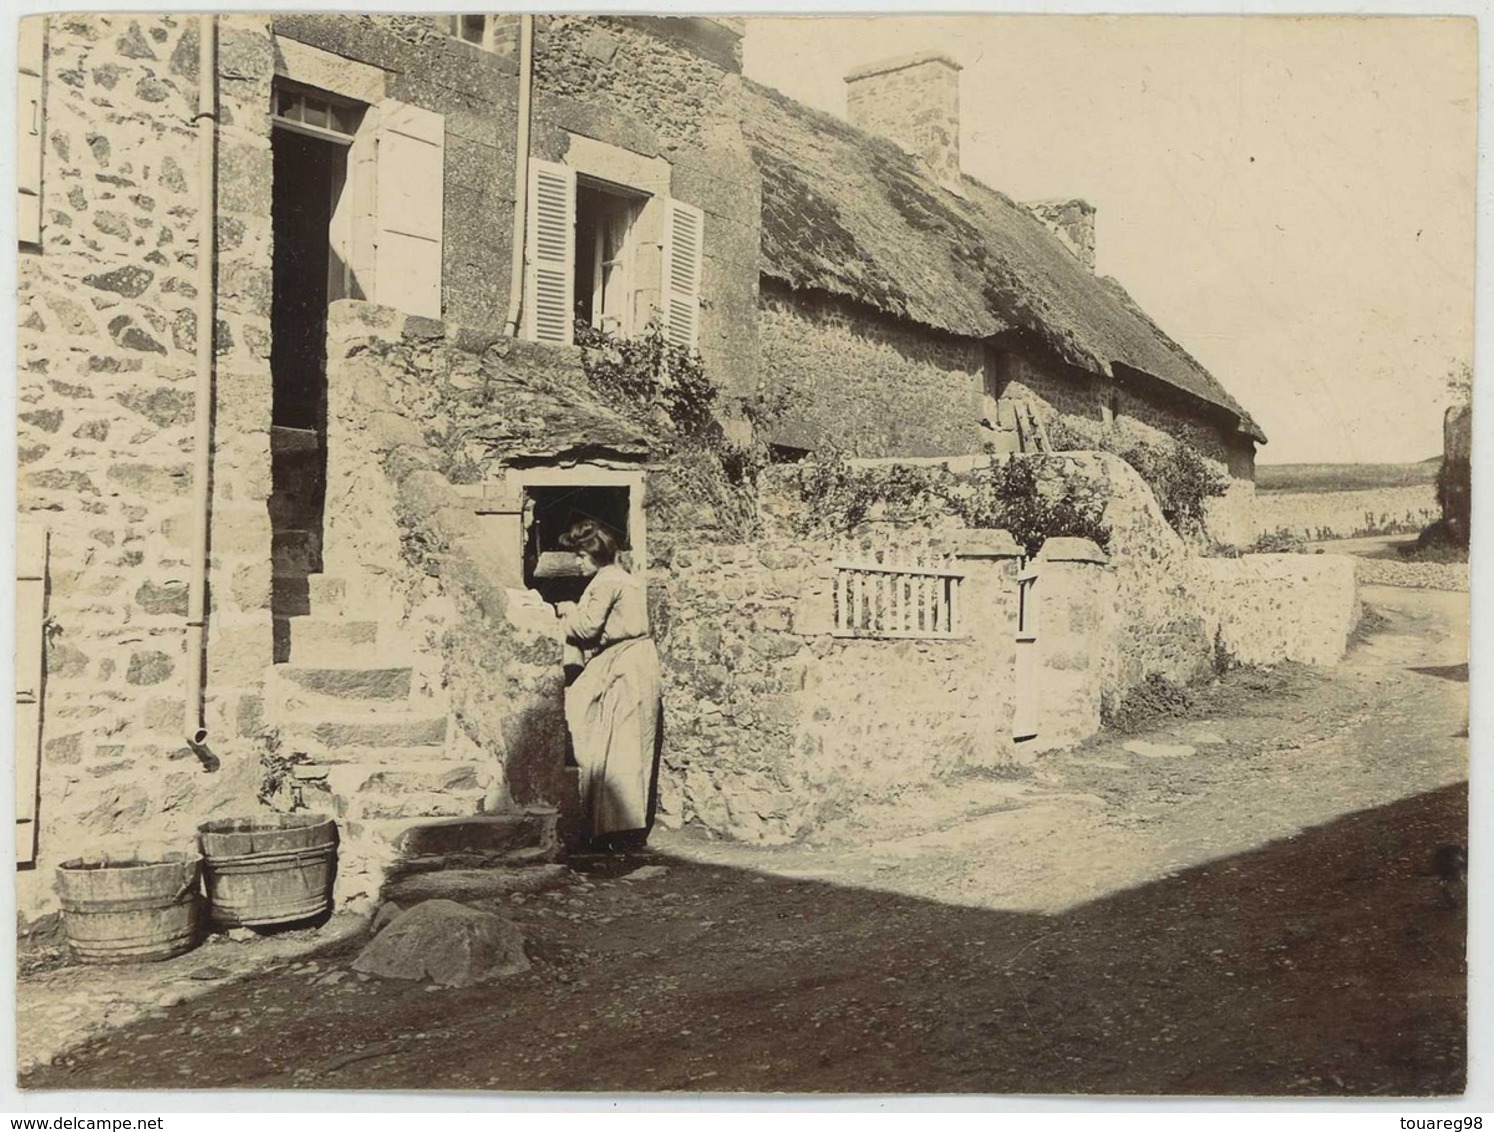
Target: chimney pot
913,100
1073,222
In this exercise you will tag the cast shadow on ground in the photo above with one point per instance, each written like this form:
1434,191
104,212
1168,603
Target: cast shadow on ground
1328,963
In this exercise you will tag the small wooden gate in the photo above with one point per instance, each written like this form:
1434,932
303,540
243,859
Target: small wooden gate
1025,699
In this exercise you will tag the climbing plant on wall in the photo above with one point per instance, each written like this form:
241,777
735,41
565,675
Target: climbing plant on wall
1034,497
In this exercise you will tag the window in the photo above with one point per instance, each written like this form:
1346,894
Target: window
30,54
383,196
470,28
585,258
604,257
316,114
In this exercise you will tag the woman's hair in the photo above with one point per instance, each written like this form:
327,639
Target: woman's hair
590,537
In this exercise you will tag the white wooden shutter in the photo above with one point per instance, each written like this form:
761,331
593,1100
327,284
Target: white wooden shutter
684,244
29,132
550,254
31,599
407,208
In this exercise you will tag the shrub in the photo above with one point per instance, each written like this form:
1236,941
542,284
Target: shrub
1182,480
647,374
1041,497
1032,497
1155,698
1280,541
1455,498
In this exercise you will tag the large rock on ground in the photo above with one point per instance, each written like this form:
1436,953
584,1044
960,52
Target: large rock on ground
446,943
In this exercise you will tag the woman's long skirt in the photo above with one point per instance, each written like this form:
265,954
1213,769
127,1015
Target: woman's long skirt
612,709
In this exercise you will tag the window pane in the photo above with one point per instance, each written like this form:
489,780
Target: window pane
345,119
316,113
473,27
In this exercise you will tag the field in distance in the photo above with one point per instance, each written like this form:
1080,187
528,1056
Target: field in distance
1344,477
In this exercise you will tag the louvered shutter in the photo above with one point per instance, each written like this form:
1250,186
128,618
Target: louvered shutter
410,176
29,54
31,600
550,254
684,243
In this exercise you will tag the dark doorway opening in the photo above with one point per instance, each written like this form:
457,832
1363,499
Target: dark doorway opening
309,174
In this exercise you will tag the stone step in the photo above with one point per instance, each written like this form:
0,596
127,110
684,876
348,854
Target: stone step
411,805
348,682
300,595
322,641
295,552
409,776
394,729
426,845
327,759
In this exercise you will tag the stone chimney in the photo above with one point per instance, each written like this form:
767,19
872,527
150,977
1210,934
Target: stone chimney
1073,222
913,100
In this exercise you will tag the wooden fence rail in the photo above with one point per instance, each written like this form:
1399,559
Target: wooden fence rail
898,595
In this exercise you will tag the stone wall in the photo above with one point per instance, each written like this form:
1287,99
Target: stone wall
872,385
774,725
106,389
1345,514
1266,608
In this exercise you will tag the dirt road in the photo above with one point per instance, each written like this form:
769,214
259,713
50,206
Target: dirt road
1239,903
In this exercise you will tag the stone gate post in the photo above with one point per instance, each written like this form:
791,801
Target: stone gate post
1076,597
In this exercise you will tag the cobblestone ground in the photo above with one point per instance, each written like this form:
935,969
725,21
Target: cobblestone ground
1239,900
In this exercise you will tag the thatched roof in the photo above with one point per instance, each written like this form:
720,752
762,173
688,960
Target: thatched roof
853,215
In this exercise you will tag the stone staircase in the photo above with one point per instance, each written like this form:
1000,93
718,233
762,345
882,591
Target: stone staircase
348,693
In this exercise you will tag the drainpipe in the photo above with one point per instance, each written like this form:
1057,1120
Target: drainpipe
202,466
521,175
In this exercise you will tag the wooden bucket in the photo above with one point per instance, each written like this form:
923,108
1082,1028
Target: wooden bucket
275,869
128,910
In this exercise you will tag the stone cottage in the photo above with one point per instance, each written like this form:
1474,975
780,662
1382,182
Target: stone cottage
301,413
924,313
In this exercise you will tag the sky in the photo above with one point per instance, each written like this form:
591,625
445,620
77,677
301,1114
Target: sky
1291,199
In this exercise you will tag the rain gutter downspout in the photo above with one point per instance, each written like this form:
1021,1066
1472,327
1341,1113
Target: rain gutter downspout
521,175
194,717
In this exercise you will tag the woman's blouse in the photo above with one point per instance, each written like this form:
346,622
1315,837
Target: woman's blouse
614,608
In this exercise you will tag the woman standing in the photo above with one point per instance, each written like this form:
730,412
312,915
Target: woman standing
613,707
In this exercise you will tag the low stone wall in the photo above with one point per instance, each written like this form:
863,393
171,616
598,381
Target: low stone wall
1266,608
1346,514
774,725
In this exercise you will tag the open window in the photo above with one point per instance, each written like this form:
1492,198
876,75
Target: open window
605,256
585,262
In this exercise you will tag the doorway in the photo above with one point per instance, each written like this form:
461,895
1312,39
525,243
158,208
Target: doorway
309,146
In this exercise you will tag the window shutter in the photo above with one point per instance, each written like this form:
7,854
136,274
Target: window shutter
410,176
550,254
31,599
684,243
29,132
